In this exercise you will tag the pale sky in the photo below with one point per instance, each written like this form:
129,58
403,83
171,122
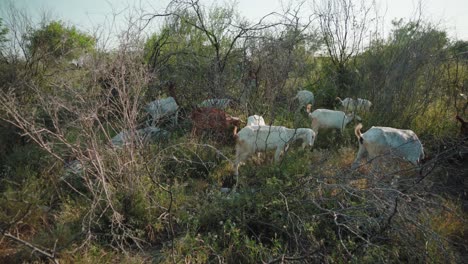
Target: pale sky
451,15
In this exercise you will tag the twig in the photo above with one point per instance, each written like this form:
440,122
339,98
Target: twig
44,252
282,258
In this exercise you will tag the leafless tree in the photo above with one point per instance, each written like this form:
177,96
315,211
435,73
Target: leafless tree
223,31
80,124
273,55
343,24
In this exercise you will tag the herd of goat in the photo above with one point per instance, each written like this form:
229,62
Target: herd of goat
256,136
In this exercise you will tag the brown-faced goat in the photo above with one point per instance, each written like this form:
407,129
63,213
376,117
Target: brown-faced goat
215,120
387,140
324,118
252,139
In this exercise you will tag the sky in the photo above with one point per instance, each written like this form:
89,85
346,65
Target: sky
451,15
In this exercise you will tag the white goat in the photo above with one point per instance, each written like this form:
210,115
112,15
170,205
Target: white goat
162,108
255,120
387,140
216,103
304,98
73,169
359,105
145,136
78,63
252,139
324,118
82,61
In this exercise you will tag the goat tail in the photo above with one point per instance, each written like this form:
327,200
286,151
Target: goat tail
338,98
235,136
460,119
358,133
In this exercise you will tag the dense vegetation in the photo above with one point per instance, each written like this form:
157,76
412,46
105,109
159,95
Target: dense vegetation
69,197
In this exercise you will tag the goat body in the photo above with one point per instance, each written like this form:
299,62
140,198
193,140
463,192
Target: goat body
324,118
216,103
255,120
82,61
216,120
145,136
162,108
304,98
387,140
252,139
358,105
77,63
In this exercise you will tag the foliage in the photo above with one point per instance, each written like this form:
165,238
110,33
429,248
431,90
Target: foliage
194,49
460,49
406,63
56,40
68,194
3,38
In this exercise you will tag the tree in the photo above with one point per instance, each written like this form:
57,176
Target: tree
343,25
55,40
400,73
205,43
284,55
3,38
460,49
178,54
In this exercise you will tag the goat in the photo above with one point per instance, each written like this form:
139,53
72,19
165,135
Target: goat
387,140
216,103
464,126
324,118
82,61
255,120
72,169
252,139
304,98
162,108
78,63
145,136
216,120
358,105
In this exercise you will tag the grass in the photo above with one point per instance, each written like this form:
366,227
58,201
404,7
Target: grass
311,199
